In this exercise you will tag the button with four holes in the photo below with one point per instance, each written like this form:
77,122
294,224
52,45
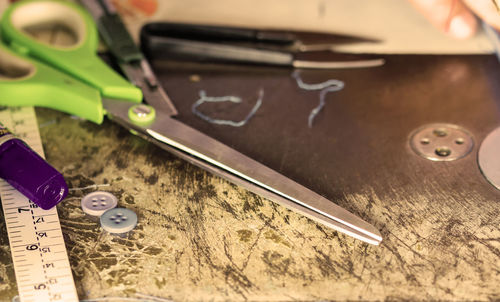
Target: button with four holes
96,203
118,220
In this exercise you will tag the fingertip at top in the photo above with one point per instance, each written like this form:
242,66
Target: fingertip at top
462,26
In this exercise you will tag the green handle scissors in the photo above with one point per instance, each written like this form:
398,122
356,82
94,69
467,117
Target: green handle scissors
82,77
69,77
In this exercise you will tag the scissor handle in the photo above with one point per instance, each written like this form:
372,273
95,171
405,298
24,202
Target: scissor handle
79,59
26,82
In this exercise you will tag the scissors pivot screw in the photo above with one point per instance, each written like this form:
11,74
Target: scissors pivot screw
142,110
142,114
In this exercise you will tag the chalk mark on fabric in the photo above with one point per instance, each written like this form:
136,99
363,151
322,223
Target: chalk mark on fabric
321,104
229,98
325,87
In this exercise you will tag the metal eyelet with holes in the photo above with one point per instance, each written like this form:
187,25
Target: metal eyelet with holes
441,142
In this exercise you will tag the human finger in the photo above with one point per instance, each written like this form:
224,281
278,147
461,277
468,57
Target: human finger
450,16
486,10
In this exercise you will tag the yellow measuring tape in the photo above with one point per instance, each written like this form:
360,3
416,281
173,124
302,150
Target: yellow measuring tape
37,246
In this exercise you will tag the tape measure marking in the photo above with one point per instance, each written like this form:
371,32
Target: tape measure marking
38,251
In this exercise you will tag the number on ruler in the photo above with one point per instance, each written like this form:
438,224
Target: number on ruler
32,247
40,286
22,209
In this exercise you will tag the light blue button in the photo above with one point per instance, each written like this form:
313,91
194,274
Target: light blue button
118,220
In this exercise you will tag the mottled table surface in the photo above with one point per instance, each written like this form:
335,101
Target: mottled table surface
200,237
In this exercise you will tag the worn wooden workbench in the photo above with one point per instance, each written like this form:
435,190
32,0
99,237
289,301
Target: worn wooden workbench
200,237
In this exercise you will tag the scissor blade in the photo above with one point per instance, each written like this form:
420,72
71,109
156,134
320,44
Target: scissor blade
127,54
210,154
293,41
338,64
166,48
142,76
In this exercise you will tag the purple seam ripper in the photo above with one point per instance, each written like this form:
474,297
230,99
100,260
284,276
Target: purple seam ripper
29,173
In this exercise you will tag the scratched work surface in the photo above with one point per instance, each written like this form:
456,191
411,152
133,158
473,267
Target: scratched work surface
202,238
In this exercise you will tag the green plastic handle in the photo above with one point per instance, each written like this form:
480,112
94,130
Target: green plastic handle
79,60
26,82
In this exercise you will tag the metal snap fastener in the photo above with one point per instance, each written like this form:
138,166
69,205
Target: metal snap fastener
441,142
96,203
118,220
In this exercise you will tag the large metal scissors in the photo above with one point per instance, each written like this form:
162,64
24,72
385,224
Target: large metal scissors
69,76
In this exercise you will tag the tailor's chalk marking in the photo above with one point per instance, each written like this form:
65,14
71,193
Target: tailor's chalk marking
321,104
229,98
325,87
318,86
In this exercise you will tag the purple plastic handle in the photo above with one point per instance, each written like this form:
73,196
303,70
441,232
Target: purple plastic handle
30,174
